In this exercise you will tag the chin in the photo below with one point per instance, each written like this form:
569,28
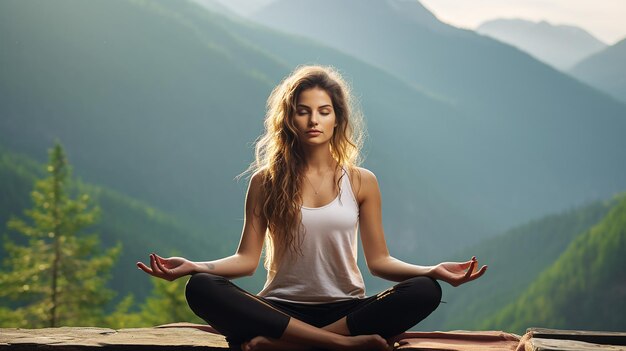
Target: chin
316,144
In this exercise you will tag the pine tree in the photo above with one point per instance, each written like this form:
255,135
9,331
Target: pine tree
56,278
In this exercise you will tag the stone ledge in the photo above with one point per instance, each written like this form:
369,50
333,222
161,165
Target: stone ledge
188,336
86,338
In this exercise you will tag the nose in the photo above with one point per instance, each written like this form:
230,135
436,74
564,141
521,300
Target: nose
314,118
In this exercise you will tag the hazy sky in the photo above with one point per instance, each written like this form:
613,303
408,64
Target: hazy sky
605,19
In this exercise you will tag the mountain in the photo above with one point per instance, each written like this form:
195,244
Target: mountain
605,70
515,258
156,100
531,140
160,101
560,46
584,289
144,118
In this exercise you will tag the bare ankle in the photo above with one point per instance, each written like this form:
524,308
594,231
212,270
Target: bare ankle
365,342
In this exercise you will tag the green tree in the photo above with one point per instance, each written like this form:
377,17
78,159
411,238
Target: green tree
54,275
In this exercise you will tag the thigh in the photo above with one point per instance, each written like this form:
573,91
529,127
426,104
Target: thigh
396,309
234,312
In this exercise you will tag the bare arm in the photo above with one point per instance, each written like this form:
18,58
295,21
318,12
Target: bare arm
380,262
245,260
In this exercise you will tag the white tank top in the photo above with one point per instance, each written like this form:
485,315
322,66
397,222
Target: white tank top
327,271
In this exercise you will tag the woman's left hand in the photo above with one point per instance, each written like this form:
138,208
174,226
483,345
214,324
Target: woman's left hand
168,268
457,273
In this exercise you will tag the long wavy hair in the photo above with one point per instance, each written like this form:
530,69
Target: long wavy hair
279,154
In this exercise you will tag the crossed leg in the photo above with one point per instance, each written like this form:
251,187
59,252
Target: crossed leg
300,336
242,316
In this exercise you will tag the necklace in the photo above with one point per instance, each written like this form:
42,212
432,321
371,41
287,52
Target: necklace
312,186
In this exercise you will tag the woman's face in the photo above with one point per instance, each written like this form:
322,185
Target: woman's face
315,117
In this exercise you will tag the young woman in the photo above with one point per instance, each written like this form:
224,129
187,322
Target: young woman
305,200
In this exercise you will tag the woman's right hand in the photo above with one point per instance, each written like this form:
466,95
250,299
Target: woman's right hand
168,268
457,273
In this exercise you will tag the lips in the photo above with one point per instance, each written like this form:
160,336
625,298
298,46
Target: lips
313,132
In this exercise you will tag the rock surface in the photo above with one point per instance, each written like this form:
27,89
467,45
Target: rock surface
85,338
188,336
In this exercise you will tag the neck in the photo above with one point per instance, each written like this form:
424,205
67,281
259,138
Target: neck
319,159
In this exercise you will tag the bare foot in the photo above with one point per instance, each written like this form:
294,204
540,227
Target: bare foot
262,343
356,343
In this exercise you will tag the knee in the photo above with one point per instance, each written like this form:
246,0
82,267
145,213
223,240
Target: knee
201,286
425,291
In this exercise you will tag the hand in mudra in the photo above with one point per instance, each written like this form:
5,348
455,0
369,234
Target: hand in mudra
168,268
457,273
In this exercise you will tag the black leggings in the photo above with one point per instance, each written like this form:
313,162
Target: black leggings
240,316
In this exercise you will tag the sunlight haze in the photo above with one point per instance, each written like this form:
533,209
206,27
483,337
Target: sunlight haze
602,18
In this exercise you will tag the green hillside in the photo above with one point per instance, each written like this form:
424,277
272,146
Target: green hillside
584,289
145,102
139,227
511,269
160,100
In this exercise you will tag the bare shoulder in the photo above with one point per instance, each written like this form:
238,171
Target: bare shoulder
257,178
255,196
364,182
255,188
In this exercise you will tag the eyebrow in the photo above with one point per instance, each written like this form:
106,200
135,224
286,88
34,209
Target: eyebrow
302,105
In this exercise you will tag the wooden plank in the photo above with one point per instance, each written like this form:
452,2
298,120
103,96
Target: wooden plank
132,339
568,345
596,337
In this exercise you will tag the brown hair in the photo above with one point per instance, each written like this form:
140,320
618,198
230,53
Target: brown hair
280,158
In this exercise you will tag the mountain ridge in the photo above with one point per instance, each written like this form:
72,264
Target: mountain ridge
561,46
605,70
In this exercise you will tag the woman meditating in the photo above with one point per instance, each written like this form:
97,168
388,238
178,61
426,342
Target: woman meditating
306,199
